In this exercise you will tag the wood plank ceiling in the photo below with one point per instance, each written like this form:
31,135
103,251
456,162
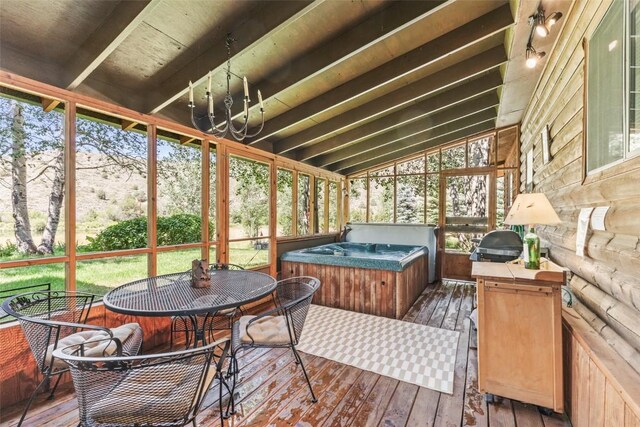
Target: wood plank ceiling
347,84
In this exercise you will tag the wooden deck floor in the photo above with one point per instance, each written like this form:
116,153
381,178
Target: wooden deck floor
272,390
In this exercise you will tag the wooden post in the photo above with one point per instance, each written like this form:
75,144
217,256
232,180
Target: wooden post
273,222
312,204
222,205
326,205
294,202
205,199
70,194
152,199
367,216
344,204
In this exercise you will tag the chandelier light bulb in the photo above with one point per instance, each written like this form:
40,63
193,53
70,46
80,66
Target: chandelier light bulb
531,62
542,30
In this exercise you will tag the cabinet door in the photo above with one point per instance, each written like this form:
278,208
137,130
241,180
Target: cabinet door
516,342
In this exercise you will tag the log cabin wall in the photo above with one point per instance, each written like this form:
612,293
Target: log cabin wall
606,280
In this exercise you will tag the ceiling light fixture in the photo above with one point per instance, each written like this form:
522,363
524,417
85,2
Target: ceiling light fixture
227,127
533,57
541,25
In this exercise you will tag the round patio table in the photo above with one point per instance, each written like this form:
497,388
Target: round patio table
173,295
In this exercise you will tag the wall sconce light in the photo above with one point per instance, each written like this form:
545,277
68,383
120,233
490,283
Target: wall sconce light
540,25
533,56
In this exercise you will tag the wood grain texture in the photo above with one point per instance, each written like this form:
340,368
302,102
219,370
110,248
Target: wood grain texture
272,390
383,293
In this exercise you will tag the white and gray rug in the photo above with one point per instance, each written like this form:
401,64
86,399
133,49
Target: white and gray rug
409,352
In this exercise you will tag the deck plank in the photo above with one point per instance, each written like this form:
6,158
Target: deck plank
372,410
272,390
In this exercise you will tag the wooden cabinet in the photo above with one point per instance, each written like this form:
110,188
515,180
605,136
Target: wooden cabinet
520,332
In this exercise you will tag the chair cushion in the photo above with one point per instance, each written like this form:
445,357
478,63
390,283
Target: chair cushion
268,330
151,395
93,344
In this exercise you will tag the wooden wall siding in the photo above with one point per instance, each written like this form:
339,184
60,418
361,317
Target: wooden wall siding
19,374
456,266
378,292
600,388
606,278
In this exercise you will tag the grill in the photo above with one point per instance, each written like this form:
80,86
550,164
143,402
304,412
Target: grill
498,246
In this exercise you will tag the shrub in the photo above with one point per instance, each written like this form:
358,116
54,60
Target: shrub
102,195
132,233
7,250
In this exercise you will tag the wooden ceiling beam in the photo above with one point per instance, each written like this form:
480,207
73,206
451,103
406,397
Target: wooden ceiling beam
415,132
429,53
399,118
124,19
344,46
49,104
418,139
397,99
444,139
272,21
128,124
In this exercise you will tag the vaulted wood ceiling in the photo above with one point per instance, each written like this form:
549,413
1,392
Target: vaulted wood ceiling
347,84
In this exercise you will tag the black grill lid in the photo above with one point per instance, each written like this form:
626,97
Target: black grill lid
501,239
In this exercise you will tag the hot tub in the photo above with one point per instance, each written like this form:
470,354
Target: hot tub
372,278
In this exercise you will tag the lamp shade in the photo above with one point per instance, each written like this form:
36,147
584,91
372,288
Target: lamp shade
532,208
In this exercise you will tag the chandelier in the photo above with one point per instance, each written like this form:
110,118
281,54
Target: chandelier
227,127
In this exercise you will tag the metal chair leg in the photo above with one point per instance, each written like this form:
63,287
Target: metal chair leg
304,371
24,413
55,386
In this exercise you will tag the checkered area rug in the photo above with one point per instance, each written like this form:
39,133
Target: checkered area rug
408,352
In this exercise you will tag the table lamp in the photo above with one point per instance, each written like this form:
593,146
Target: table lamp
531,209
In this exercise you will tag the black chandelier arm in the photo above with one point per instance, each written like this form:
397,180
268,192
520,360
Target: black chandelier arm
261,126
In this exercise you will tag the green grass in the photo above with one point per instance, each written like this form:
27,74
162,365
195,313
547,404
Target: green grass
100,275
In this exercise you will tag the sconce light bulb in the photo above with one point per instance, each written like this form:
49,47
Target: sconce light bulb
531,62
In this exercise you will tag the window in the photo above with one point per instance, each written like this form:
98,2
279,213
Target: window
248,212
411,199
454,157
285,202
320,225
304,205
613,104
32,176
333,206
111,185
179,192
381,199
358,200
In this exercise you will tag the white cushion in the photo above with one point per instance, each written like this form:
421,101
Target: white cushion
151,395
96,343
268,330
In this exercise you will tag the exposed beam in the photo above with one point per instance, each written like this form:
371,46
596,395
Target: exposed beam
418,140
399,118
344,46
124,19
431,52
414,132
397,99
460,134
127,124
49,104
186,139
272,20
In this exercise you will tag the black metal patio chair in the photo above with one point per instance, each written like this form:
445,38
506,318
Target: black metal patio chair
278,327
222,320
15,290
53,319
165,389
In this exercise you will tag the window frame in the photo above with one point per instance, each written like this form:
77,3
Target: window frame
626,62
